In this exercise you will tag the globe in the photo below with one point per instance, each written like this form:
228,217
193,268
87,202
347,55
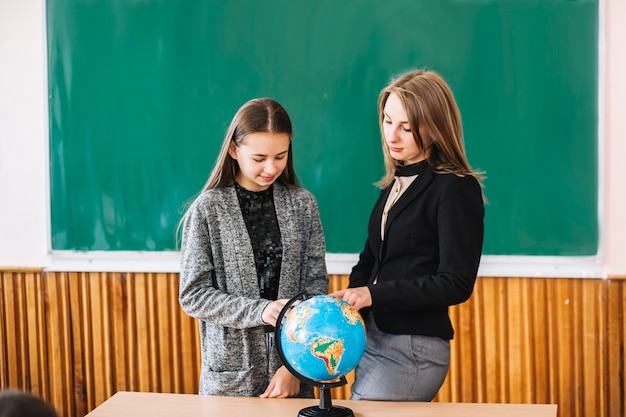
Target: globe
323,338
320,339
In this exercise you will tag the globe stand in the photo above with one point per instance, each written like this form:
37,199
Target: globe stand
326,407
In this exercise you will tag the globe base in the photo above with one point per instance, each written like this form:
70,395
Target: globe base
334,411
326,407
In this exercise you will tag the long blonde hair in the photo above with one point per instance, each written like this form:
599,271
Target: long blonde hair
431,110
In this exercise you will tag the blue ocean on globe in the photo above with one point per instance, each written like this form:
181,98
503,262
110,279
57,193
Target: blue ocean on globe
323,338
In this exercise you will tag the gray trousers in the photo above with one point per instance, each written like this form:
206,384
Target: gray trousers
400,367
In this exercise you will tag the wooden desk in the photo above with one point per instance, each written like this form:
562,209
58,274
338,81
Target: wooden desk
137,404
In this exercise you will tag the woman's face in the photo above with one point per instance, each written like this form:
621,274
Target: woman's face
262,157
398,134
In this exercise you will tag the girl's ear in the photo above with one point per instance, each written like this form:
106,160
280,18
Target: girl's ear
232,150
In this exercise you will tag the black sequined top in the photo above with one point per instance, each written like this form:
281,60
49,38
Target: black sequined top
259,214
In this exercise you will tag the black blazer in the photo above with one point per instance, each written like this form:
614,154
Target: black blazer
430,256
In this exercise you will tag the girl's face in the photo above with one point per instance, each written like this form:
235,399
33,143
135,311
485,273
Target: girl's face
262,157
398,134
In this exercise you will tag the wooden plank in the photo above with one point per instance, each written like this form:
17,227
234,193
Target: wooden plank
58,366
616,354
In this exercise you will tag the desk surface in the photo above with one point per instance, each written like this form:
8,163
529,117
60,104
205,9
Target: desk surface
138,404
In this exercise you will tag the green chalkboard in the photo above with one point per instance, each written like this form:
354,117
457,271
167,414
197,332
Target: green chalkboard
141,93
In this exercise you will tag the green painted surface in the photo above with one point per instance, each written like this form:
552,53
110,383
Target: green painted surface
141,93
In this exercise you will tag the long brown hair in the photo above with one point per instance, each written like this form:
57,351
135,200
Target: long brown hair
259,115
432,110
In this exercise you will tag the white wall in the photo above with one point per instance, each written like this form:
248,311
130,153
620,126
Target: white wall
24,196
615,155
23,135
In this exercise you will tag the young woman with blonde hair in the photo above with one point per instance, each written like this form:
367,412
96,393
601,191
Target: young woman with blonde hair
424,242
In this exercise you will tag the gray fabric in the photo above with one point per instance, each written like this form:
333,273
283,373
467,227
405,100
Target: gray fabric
400,367
219,285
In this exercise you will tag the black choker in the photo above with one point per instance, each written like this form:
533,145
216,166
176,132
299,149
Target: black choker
410,170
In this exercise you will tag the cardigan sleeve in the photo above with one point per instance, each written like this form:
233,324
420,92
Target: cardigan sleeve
199,293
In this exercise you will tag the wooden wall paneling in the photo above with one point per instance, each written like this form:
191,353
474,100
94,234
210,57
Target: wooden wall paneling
593,342
553,347
145,331
444,393
616,354
143,320
474,343
135,332
512,341
166,295
337,282
76,338
14,346
461,361
167,309
562,300
4,331
121,325
100,332
185,341
82,366
539,338
58,343
492,294
35,333
23,332
189,347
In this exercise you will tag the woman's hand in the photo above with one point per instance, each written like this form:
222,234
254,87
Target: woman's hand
359,297
282,385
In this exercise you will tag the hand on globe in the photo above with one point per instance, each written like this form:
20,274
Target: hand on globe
272,310
359,297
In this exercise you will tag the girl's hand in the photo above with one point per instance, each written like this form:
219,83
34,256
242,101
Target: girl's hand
272,310
359,297
282,385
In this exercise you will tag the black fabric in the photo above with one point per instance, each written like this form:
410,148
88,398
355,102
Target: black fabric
259,214
410,170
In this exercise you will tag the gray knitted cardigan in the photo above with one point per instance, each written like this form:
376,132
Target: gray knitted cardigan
219,285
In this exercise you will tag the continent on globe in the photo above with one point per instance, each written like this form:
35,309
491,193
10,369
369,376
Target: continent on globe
328,350
322,338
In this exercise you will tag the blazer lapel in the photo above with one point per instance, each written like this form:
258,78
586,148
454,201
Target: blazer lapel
415,189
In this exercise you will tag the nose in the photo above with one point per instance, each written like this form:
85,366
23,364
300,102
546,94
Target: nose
392,134
270,167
